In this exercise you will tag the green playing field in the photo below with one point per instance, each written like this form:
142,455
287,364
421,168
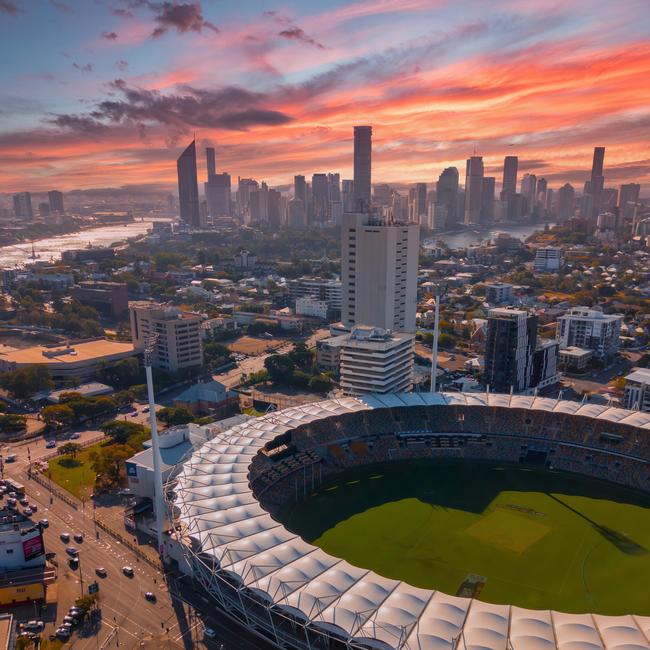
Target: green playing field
539,539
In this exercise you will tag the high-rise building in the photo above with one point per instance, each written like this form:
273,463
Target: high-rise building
487,199
528,191
374,360
509,183
274,212
296,217
347,194
379,265
334,184
23,205
217,188
188,188
55,199
473,189
590,205
447,196
540,194
628,197
382,194
178,341
591,330
244,188
566,198
362,167
300,189
320,198
44,209
420,203
210,162
509,348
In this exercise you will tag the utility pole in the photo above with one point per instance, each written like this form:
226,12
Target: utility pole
434,351
155,444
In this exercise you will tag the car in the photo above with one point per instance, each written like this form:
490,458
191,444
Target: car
12,494
72,551
65,537
70,619
150,596
10,458
63,633
145,409
210,633
33,626
75,611
24,502
101,572
33,506
127,571
78,537
11,502
50,444
28,512
75,436
44,523
134,414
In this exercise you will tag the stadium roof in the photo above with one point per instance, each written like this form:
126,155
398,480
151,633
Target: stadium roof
229,527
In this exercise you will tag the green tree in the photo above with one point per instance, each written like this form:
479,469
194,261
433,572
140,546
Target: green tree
58,414
25,382
320,383
70,449
121,431
279,366
173,415
12,423
109,461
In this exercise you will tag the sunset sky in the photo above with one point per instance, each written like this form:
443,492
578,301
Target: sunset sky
105,93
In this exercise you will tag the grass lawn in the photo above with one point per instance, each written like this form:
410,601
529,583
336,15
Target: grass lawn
537,539
77,477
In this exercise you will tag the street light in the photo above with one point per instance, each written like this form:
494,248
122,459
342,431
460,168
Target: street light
149,351
434,351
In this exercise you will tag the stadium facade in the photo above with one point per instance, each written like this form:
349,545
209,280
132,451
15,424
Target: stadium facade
297,595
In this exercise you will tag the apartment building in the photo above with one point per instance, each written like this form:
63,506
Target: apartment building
591,330
374,360
178,334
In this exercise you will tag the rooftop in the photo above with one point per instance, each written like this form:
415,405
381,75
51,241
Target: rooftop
73,353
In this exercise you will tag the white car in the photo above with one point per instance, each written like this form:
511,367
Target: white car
127,571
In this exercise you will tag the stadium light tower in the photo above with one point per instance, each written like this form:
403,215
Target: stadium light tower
434,351
155,444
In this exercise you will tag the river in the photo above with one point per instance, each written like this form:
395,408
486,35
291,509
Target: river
52,247
467,238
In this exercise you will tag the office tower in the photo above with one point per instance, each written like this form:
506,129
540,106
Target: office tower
374,360
447,196
362,167
320,198
296,217
487,199
334,184
23,205
274,213
509,348
566,197
473,189
628,197
347,194
379,265
590,329
540,194
259,204
550,199
244,188
300,189
382,194
56,201
44,210
509,183
188,188
218,195
528,190
210,162
597,178
420,205
178,344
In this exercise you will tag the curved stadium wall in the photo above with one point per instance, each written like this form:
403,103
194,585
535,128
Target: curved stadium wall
298,596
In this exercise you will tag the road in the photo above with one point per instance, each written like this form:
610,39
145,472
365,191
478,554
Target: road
176,620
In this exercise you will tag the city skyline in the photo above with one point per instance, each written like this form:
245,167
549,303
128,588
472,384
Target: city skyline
108,96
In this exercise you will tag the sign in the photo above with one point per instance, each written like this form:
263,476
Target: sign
33,547
131,469
93,588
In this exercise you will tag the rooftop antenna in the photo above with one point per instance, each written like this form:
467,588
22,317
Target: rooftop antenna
149,350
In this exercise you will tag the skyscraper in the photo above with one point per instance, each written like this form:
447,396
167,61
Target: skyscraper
320,198
596,182
347,194
362,167
627,197
540,195
487,199
23,205
528,191
211,162
509,184
473,189
217,188
188,188
334,184
420,209
274,212
565,202
56,201
447,197
379,267
244,188
300,189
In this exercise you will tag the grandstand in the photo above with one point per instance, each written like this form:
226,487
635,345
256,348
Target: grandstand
230,491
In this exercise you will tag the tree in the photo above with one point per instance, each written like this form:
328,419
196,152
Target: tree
25,382
446,341
108,462
279,366
58,414
320,383
173,415
301,356
121,431
12,423
70,449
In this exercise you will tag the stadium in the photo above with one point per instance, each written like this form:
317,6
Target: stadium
235,498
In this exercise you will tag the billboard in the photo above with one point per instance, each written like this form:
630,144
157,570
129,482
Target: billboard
33,547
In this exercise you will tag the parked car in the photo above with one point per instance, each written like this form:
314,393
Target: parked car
33,626
50,444
78,537
75,435
101,572
150,596
65,537
134,414
28,512
44,523
127,571
33,506
24,502
63,633
145,409
10,458
72,551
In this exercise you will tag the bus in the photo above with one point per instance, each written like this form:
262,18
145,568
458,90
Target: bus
14,486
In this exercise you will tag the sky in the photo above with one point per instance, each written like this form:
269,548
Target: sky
106,93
